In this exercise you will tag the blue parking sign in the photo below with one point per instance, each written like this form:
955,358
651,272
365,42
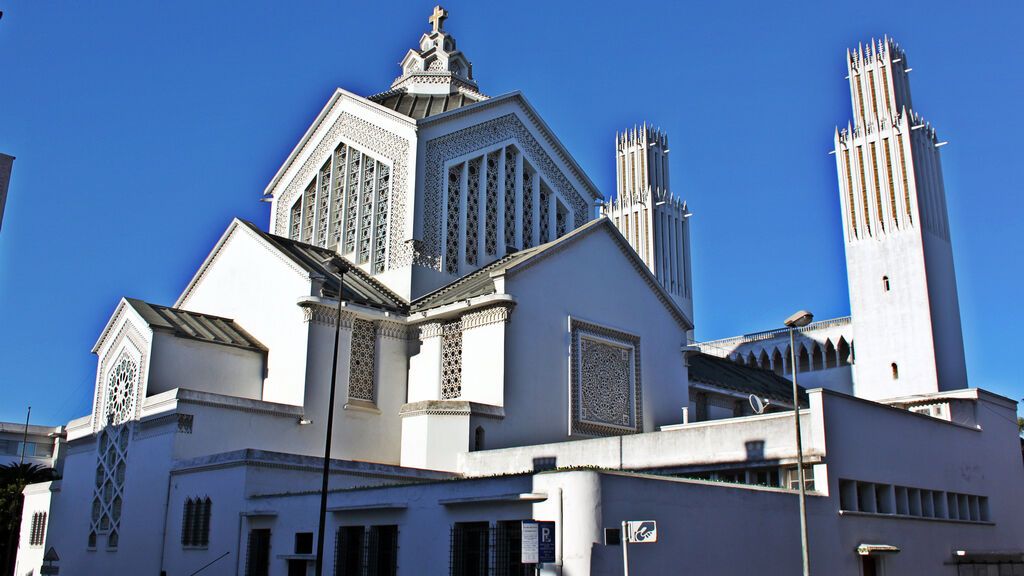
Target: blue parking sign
546,541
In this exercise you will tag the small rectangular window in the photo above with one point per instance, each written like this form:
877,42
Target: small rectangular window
257,560
303,542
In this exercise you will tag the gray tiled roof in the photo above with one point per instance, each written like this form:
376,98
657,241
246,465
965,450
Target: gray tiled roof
360,287
724,373
196,326
419,106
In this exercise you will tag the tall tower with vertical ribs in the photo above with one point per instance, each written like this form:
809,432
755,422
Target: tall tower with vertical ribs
899,259
653,220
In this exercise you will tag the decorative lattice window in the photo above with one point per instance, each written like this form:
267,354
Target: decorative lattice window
108,495
380,244
491,209
308,210
195,522
323,202
295,221
366,210
605,378
452,236
527,206
544,212
338,196
120,393
451,360
37,531
352,201
510,198
561,220
361,360
472,210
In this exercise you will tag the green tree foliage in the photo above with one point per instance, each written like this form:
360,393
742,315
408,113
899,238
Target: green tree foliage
13,479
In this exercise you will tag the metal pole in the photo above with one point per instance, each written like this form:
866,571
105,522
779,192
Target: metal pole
625,555
799,459
24,438
330,427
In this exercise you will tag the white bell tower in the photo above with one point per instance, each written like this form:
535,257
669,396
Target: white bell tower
899,259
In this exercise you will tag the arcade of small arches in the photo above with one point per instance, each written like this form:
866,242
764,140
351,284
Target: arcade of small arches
809,357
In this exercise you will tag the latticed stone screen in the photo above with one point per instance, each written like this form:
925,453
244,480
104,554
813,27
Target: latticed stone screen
451,360
605,380
108,495
493,207
347,204
361,362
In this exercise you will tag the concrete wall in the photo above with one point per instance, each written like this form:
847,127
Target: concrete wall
250,283
719,441
606,290
183,363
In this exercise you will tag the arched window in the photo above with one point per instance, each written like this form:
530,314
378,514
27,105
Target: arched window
885,283
844,352
817,361
478,438
195,522
804,361
830,354
895,371
765,363
778,364
751,360
740,360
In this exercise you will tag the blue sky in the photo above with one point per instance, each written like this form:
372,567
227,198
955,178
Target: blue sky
141,128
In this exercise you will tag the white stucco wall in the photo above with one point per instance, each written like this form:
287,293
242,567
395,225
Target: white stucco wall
258,288
183,363
605,290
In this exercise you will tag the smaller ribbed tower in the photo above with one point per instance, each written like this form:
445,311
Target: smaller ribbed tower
653,220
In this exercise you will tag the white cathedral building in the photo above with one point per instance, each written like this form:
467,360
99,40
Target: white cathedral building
487,372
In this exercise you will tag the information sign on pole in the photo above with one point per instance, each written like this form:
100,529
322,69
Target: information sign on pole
642,531
538,543
530,543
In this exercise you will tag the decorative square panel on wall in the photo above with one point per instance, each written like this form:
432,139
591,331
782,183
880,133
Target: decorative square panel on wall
605,384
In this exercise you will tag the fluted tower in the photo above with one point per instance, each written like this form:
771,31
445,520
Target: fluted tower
899,259
647,213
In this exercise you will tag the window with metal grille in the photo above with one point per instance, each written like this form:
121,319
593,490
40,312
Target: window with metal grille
382,551
469,549
195,522
257,559
508,549
349,552
37,532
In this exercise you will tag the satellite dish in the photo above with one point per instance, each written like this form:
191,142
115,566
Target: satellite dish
758,404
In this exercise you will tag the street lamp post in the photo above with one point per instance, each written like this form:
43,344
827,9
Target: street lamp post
338,268
799,320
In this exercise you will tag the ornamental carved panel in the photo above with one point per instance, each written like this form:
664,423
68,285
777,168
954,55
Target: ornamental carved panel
605,381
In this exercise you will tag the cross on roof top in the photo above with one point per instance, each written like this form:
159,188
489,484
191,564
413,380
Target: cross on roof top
438,18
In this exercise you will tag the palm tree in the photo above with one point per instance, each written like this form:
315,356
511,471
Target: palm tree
13,479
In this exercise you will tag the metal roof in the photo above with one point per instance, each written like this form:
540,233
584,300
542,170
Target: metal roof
419,106
360,287
725,373
195,326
